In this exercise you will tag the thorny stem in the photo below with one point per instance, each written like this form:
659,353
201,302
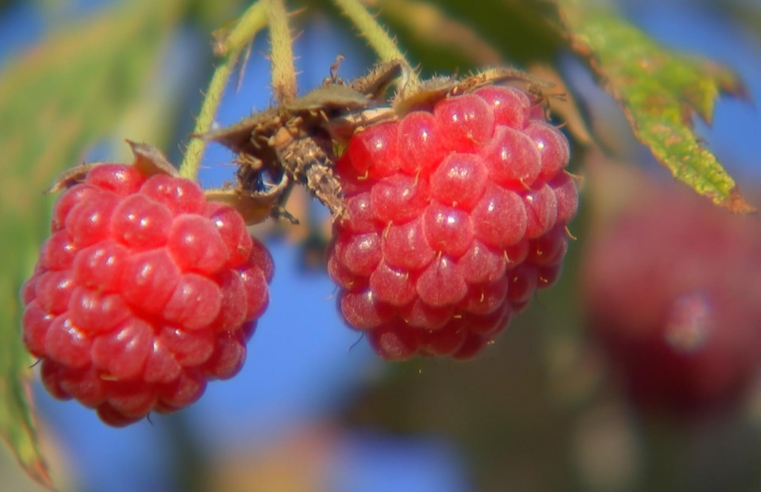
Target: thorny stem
283,71
376,34
252,21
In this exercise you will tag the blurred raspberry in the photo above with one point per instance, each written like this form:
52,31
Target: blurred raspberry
671,292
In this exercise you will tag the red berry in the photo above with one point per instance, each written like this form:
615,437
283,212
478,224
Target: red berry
467,121
671,292
500,218
143,293
512,158
420,143
376,153
363,310
456,216
405,245
392,285
421,315
459,181
74,195
541,211
447,229
398,198
511,106
552,147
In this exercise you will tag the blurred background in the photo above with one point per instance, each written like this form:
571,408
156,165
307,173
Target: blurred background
629,374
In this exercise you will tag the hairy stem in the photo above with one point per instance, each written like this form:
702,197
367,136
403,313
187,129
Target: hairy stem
191,162
374,32
283,71
252,21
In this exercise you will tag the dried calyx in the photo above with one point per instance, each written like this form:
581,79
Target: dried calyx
296,142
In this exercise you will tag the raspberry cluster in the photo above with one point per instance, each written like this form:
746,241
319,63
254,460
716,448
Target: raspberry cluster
143,292
670,295
456,216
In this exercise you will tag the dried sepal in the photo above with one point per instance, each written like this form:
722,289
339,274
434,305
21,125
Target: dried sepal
149,160
254,207
342,128
328,98
425,94
377,82
296,139
498,75
70,177
238,137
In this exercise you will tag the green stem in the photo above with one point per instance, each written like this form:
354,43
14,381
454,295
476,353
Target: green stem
376,34
283,71
251,22
191,163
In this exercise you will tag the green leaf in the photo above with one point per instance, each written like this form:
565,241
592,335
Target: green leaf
56,100
659,91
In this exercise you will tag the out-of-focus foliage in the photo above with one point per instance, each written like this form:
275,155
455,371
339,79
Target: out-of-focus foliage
452,35
210,15
55,100
746,13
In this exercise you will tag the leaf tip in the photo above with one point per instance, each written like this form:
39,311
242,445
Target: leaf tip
736,203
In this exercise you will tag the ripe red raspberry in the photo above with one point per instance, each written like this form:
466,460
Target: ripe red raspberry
143,293
671,294
456,216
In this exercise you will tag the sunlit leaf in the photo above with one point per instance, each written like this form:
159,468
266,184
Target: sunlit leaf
54,101
659,92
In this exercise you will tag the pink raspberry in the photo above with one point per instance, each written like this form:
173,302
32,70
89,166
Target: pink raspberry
456,217
144,292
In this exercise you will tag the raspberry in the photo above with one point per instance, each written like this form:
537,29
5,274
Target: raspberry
456,216
671,296
143,293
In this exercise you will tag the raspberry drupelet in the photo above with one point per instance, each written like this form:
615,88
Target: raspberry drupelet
456,216
143,293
